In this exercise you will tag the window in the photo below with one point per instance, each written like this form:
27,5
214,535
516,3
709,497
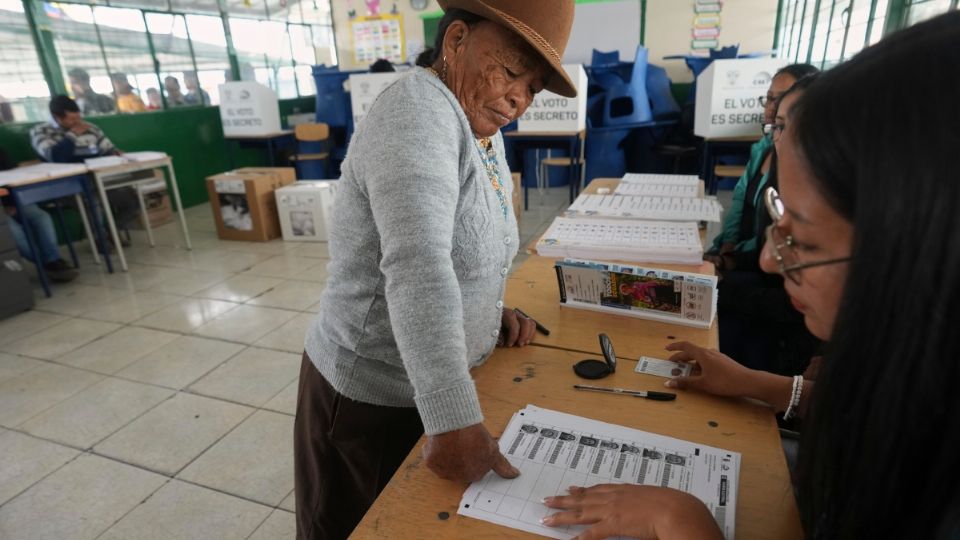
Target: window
826,32
23,90
210,54
921,10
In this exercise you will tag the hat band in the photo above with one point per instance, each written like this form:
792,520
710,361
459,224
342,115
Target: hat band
529,31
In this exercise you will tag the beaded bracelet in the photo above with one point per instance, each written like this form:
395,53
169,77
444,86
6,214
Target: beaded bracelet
794,397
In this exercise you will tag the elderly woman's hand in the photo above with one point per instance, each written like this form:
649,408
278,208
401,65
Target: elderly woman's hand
515,330
634,511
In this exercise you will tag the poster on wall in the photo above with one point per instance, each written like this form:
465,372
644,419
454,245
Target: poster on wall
705,33
378,37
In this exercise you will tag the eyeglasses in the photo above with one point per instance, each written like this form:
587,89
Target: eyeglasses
774,131
784,249
763,100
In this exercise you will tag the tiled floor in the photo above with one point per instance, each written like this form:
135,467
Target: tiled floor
159,403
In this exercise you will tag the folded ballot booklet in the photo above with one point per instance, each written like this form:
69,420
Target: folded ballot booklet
648,293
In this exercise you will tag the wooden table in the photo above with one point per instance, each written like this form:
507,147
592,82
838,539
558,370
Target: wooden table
533,288
417,504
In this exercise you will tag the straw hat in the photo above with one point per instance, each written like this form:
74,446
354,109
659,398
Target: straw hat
544,24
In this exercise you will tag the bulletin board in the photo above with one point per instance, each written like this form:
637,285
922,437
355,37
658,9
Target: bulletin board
378,37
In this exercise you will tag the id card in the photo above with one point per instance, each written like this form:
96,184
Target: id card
662,368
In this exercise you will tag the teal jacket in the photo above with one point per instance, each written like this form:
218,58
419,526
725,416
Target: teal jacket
731,222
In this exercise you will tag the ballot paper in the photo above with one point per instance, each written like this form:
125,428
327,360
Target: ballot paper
554,451
646,207
621,239
663,368
104,162
659,185
39,171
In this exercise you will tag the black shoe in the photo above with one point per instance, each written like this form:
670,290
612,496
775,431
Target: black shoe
60,271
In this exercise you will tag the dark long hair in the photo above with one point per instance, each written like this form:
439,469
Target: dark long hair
429,56
880,455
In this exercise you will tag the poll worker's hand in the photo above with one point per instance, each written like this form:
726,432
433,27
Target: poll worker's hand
713,372
465,455
634,511
515,329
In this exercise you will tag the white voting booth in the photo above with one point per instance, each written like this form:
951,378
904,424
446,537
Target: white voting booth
364,89
555,113
248,109
728,96
304,208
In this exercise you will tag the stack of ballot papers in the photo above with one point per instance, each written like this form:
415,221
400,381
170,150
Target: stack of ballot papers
659,185
104,162
554,451
646,207
619,239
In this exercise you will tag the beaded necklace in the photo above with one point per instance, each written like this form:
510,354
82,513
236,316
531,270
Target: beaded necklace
488,156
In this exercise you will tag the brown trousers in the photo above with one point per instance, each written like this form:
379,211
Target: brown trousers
345,452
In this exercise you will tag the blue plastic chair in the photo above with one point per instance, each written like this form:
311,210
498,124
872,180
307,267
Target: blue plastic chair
312,158
662,104
628,103
601,59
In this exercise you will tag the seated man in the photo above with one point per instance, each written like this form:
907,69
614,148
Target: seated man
67,138
41,225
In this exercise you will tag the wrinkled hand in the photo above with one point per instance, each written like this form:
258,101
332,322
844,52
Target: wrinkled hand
515,330
713,372
635,511
465,455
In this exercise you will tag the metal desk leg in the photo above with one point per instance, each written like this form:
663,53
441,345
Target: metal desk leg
97,229
709,176
86,227
176,198
571,173
32,242
108,214
146,218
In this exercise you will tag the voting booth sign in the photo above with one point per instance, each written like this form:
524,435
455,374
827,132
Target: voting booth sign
554,113
364,89
248,108
729,96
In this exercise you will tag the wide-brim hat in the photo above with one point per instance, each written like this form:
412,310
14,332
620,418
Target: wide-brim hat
544,24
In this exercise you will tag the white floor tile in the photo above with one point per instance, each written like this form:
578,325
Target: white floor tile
320,250
27,323
190,282
254,461
186,315
180,362
12,365
95,412
245,324
289,503
60,339
286,266
24,460
286,401
280,525
79,501
79,298
115,351
240,288
174,433
289,336
39,389
298,295
252,377
130,308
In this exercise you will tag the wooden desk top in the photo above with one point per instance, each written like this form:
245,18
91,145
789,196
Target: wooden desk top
131,166
413,501
533,288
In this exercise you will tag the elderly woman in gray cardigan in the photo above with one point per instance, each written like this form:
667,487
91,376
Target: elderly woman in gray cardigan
424,238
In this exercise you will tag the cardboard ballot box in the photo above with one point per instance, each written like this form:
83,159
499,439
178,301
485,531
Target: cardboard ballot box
305,209
728,96
156,201
244,204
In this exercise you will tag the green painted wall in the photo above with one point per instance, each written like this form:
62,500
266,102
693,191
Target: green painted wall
192,136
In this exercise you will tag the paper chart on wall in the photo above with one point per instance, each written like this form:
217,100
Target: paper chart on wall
645,207
555,450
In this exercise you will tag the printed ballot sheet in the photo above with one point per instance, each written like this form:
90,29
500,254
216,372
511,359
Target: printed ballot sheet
630,240
555,450
659,185
646,207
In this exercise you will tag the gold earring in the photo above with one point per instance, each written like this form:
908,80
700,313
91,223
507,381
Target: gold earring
443,70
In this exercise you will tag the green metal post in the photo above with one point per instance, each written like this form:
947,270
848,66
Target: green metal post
896,16
803,20
813,30
231,50
156,63
643,22
43,42
873,15
776,27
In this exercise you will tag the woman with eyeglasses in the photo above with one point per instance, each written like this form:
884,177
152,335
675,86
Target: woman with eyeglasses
758,326
867,196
